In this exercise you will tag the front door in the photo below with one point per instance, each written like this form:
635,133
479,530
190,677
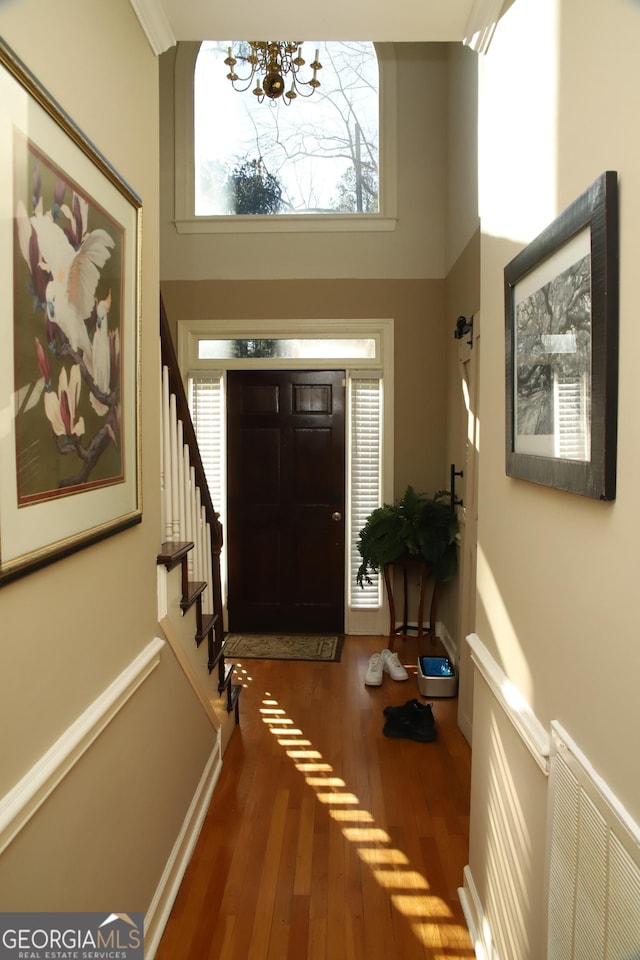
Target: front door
286,481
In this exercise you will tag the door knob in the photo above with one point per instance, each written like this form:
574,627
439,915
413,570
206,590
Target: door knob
336,516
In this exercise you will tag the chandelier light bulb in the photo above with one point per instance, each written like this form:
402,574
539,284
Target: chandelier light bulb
278,62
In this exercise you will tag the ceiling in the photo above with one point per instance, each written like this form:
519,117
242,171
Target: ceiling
167,21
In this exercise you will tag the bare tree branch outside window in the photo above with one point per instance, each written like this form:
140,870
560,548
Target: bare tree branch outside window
320,152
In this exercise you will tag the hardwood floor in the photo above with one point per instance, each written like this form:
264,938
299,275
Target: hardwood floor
326,840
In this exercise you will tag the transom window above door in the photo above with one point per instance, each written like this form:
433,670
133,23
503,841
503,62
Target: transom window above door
299,348
317,155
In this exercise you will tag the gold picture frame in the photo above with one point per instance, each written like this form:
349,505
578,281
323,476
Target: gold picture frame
70,247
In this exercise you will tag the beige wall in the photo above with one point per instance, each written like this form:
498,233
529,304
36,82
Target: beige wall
556,572
69,630
417,307
462,299
422,274
462,291
399,274
462,159
415,249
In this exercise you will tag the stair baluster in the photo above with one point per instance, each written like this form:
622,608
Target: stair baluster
190,526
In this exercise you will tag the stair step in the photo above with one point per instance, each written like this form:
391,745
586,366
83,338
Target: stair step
216,657
225,680
195,589
173,552
208,623
233,700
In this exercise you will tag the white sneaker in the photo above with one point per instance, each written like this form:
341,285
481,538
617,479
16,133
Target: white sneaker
373,676
392,665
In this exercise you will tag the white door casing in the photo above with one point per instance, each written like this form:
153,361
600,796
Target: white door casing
467,491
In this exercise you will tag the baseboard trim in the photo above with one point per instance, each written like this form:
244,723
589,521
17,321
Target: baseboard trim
448,643
158,913
22,801
477,924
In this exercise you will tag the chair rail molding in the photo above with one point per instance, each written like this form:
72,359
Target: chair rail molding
27,796
534,735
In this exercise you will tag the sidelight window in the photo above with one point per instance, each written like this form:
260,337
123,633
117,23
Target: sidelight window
364,482
365,463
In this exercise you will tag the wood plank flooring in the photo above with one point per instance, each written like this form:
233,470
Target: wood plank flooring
326,840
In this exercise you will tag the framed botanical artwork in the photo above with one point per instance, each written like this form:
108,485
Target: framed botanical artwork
69,369
561,317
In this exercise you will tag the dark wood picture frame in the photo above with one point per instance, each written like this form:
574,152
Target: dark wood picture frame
561,338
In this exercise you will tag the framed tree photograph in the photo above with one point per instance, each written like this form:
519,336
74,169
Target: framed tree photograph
561,326
69,371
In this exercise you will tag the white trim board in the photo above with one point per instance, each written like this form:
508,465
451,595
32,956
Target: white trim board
22,801
160,909
155,24
477,924
533,734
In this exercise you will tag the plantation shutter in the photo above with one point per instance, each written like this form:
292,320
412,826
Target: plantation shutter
573,441
207,409
365,465
206,400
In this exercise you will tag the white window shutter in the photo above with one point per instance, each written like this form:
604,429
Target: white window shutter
207,402
571,408
365,458
207,411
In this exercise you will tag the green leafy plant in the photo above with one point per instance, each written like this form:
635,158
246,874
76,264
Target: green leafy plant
417,525
253,189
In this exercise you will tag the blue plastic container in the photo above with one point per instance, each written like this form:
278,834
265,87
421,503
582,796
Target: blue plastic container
437,677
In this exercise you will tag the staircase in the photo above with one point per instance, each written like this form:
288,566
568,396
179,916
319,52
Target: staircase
191,546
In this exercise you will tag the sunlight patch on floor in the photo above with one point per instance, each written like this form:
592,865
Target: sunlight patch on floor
373,855
337,798
325,782
430,917
414,905
352,816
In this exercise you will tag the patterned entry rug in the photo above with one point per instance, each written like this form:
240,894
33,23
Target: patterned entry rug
269,646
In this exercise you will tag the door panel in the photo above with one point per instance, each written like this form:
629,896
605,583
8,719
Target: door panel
286,471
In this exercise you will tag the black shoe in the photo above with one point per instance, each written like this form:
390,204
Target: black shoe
412,708
410,729
412,721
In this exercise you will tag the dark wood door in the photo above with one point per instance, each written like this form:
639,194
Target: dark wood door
285,510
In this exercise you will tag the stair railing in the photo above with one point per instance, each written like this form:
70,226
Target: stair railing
191,529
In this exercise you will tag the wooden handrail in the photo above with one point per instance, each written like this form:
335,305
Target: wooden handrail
216,627
170,361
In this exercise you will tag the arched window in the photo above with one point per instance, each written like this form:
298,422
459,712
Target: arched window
317,155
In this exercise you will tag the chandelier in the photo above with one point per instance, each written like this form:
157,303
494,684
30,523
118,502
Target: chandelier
273,60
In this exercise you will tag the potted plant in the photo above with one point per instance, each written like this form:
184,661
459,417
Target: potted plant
417,527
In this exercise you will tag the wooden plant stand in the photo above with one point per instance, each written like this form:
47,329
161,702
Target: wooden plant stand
406,564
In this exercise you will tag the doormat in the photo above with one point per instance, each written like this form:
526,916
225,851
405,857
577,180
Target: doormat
278,646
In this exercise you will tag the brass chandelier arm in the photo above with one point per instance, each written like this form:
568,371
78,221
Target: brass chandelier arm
274,60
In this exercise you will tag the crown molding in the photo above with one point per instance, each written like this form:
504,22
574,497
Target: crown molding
482,23
155,24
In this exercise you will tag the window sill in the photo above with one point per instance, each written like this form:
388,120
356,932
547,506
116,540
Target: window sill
317,223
